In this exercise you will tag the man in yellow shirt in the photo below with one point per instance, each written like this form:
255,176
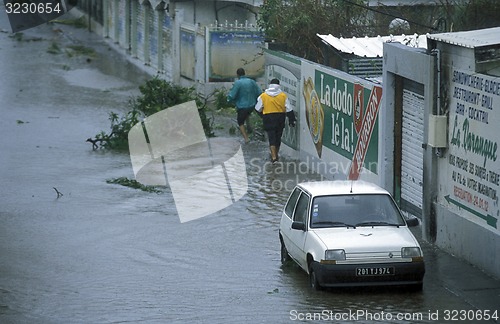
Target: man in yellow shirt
274,106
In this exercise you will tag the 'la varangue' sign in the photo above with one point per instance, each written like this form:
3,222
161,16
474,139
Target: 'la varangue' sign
472,142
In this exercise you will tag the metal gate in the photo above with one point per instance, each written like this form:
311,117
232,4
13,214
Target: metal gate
153,37
123,23
166,55
140,34
188,51
110,19
412,155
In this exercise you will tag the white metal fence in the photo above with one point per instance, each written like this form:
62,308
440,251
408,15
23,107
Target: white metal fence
180,52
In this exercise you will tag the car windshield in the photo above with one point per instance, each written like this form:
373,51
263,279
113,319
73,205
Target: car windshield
355,210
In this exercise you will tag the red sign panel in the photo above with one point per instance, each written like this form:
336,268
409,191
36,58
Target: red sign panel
365,133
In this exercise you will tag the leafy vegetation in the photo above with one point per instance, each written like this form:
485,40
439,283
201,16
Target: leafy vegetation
296,23
445,16
77,22
73,50
156,95
20,37
17,36
117,138
221,99
226,110
473,14
292,25
124,181
54,48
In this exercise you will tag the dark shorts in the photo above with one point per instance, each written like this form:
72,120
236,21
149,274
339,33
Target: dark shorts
243,114
274,125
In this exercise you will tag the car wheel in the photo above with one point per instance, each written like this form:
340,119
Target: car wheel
285,257
313,279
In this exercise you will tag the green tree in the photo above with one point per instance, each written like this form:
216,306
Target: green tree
445,16
296,23
473,14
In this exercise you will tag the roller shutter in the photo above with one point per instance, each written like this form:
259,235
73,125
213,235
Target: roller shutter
412,152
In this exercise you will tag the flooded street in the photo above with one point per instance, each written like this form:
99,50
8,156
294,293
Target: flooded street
104,253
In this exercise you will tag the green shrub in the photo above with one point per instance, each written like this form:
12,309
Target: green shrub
124,181
156,95
221,99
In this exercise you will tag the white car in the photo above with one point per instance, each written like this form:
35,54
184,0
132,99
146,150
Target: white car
349,233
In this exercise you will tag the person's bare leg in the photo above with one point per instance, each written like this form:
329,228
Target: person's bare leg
244,133
249,125
274,153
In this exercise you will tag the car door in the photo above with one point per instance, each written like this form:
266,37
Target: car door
286,217
298,236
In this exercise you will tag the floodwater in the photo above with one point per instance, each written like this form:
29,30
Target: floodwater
104,253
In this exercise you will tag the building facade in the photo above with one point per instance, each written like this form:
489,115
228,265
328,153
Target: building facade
452,93
190,43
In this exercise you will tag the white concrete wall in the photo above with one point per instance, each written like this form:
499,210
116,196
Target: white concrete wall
466,240
328,147
196,16
456,215
467,209
401,61
206,13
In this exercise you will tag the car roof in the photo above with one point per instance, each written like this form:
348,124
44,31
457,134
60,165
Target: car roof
341,187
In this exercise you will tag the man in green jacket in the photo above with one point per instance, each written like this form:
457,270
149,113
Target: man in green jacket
244,94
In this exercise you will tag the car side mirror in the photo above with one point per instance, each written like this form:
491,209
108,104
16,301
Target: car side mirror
298,226
412,222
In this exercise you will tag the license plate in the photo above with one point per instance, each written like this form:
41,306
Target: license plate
375,271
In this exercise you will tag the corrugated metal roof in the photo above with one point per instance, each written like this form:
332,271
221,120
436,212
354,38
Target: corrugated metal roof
366,67
471,39
371,46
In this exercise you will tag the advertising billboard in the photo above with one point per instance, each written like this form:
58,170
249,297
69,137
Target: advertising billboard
341,117
472,165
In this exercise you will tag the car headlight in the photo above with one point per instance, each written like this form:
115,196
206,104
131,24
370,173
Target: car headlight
411,252
336,255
